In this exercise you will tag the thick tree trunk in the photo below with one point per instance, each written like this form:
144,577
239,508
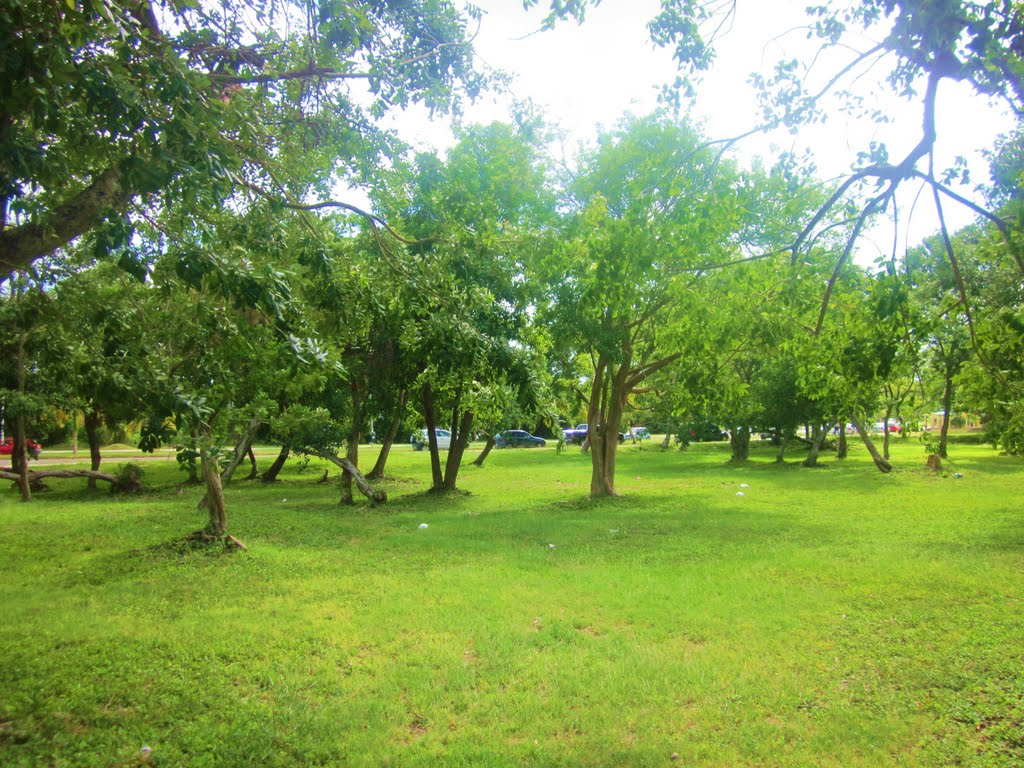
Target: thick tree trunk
666,441
275,469
19,457
739,442
947,405
880,461
41,474
214,499
427,399
780,457
74,432
460,439
375,496
93,423
242,449
844,447
479,460
604,417
385,448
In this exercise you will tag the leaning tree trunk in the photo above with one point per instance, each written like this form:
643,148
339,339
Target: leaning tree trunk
214,499
739,442
427,399
667,440
479,460
457,447
880,461
818,434
93,422
885,436
385,447
253,469
275,469
375,496
242,449
947,405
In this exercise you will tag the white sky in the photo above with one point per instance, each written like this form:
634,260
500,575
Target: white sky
589,75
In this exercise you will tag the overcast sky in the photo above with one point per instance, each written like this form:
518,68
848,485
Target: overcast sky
589,75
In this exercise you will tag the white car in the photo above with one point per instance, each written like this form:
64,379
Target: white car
420,440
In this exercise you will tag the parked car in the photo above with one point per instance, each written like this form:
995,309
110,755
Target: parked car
639,433
420,440
579,434
518,438
707,432
31,446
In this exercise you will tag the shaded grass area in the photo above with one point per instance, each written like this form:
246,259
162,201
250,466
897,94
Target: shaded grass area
826,617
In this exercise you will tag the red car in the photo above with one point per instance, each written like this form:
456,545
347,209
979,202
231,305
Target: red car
7,447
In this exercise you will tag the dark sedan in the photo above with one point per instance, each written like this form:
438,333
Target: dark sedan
518,438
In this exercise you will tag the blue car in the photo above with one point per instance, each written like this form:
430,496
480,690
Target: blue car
518,438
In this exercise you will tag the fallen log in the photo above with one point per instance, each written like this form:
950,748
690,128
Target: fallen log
39,474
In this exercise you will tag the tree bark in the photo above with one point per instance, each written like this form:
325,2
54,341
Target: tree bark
375,496
218,525
818,434
20,246
780,457
271,474
667,440
885,436
385,447
41,474
352,444
844,447
604,417
739,442
242,448
427,399
947,405
93,422
479,460
456,449
253,470
880,461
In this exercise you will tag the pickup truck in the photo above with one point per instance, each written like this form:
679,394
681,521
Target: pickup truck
579,434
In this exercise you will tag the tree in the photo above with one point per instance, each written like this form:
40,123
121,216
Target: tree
650,206
114,110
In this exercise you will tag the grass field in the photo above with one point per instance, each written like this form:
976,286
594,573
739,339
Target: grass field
830,617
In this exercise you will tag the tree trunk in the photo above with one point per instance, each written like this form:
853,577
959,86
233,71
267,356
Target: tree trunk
271,474
880,461
374,495
739,441
668,438
19,457
780,457
74,432
427,399
242,448
604,417
456,449
479,460
817,440
844,447
93,422
253,470
214,499
385,448
947,404
885,436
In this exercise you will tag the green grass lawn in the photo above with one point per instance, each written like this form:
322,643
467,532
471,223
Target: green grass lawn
829,617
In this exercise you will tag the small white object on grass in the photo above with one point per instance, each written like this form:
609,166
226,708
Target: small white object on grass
740,493
551,546
423,525
744,485
614,530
